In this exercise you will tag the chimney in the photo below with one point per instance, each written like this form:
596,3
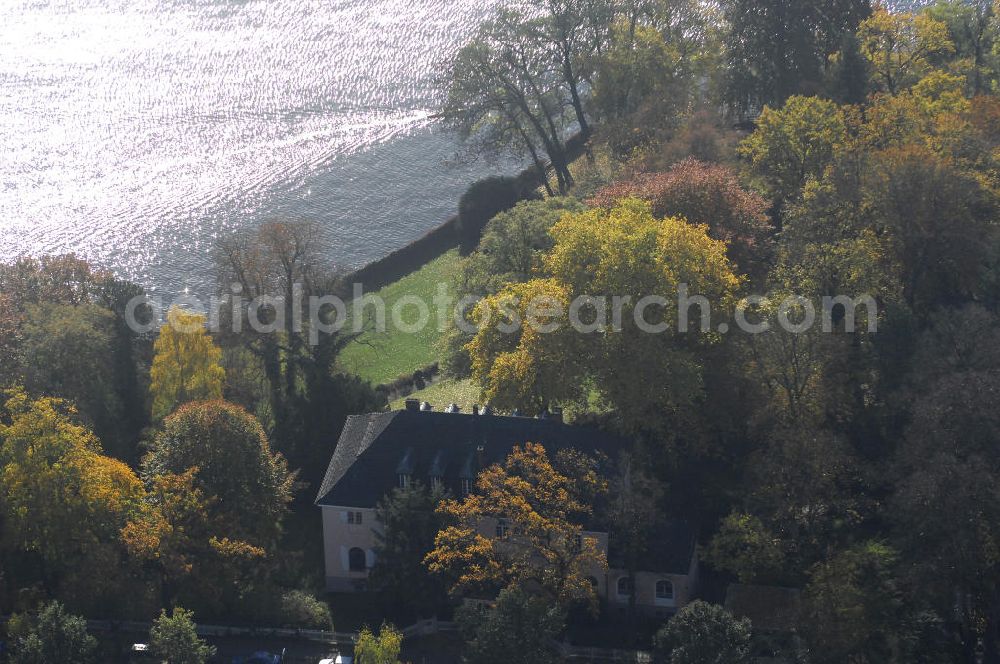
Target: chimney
426,407
412,405
453,408
557,414
475,409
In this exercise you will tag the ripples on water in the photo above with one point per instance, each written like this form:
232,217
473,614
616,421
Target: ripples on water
136,132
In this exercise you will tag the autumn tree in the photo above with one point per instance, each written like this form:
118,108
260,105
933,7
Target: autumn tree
794,144
703,194
510,251
174,639
539,507
972,28
62,500
624,253
854,607
186,365
278,265
901,45
249,484
172,534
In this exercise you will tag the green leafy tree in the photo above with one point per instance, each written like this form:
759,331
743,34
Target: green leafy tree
518,623
250,484
301,610
381,648
186,365
410,523
174,639
67,353
745,547
778,48
703,633
55,636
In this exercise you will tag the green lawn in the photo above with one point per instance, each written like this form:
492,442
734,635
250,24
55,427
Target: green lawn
381,357
463,392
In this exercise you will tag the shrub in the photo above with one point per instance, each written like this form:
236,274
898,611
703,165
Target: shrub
301,610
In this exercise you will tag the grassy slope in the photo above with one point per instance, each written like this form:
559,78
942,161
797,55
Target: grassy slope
463,392
381,357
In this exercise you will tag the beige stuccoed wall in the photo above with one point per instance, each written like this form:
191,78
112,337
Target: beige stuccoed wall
339,537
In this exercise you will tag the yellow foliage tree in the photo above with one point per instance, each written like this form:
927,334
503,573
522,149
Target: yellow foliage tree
900,45
605,263
186,365
524,525
60,497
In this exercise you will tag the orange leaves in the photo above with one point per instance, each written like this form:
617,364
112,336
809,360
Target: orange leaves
543,511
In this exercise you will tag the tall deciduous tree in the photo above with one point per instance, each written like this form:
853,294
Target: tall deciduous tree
539,506
62,500
703,194
236,467
504,91
186,365
67,353
900,46
623,255
778,48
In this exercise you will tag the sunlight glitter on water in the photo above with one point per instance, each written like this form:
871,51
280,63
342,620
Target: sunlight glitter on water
136,132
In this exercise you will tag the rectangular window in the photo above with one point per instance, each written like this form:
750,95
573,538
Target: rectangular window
466,487
350,517
435,483
357,517
404,481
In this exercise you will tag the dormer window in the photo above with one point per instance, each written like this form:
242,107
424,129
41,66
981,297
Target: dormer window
436,483
404,480
466,486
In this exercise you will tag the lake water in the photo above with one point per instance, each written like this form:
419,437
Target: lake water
137,132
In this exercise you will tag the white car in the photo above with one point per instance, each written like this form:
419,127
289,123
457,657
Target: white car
340,659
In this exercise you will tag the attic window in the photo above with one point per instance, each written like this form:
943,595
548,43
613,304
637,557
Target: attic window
466,487
435,483
404,480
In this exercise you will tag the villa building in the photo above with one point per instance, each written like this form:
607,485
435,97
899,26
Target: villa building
448,449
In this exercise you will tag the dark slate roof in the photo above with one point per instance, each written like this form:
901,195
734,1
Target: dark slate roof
670,549
373,449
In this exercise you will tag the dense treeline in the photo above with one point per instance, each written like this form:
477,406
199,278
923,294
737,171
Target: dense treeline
773,148
839,148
